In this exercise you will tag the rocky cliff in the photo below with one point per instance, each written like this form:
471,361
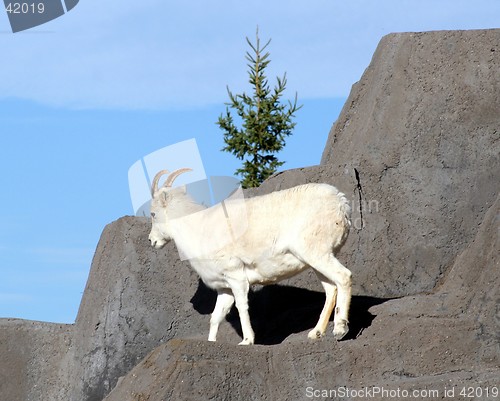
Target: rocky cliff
416,149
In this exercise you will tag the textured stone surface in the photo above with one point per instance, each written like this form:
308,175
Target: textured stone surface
416,149
34,360
136,298
444,340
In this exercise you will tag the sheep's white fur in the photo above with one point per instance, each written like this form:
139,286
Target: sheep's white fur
288,231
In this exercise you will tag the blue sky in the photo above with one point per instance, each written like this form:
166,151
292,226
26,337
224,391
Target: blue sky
86,95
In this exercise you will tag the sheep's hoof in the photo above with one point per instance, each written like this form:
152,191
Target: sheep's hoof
246,341
315,334
340,330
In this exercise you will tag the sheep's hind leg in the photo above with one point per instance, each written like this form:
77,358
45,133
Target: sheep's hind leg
331,297
223,305
339,275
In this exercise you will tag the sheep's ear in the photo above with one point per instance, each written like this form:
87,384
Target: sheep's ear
164,198
161,196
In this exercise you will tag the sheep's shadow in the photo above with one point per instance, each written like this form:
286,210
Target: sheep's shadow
278,311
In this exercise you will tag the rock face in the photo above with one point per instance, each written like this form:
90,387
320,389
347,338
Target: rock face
444,341
34,360
416,148
135,299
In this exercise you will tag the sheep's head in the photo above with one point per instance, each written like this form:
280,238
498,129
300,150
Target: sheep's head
162,199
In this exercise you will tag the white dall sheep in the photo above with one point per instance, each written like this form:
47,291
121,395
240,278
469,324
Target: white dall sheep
287,232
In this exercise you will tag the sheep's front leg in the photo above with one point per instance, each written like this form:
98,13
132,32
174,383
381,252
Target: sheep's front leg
240,291
223,305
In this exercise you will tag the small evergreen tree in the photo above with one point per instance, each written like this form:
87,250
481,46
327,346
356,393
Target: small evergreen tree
265,121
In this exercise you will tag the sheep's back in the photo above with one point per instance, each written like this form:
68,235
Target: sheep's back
309,210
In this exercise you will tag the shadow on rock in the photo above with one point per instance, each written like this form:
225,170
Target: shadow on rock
279,311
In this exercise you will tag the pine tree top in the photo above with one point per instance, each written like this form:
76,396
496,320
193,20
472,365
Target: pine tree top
265,121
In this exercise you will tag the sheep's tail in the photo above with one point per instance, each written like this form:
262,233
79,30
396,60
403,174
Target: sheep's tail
344,209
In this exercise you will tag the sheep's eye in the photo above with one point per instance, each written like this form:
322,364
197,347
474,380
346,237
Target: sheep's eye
152,215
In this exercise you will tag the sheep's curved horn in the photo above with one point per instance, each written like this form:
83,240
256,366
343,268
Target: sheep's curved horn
154,185
171,178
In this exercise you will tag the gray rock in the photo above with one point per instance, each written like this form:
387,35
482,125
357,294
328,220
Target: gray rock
416,149
35,359
447,340
136,298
